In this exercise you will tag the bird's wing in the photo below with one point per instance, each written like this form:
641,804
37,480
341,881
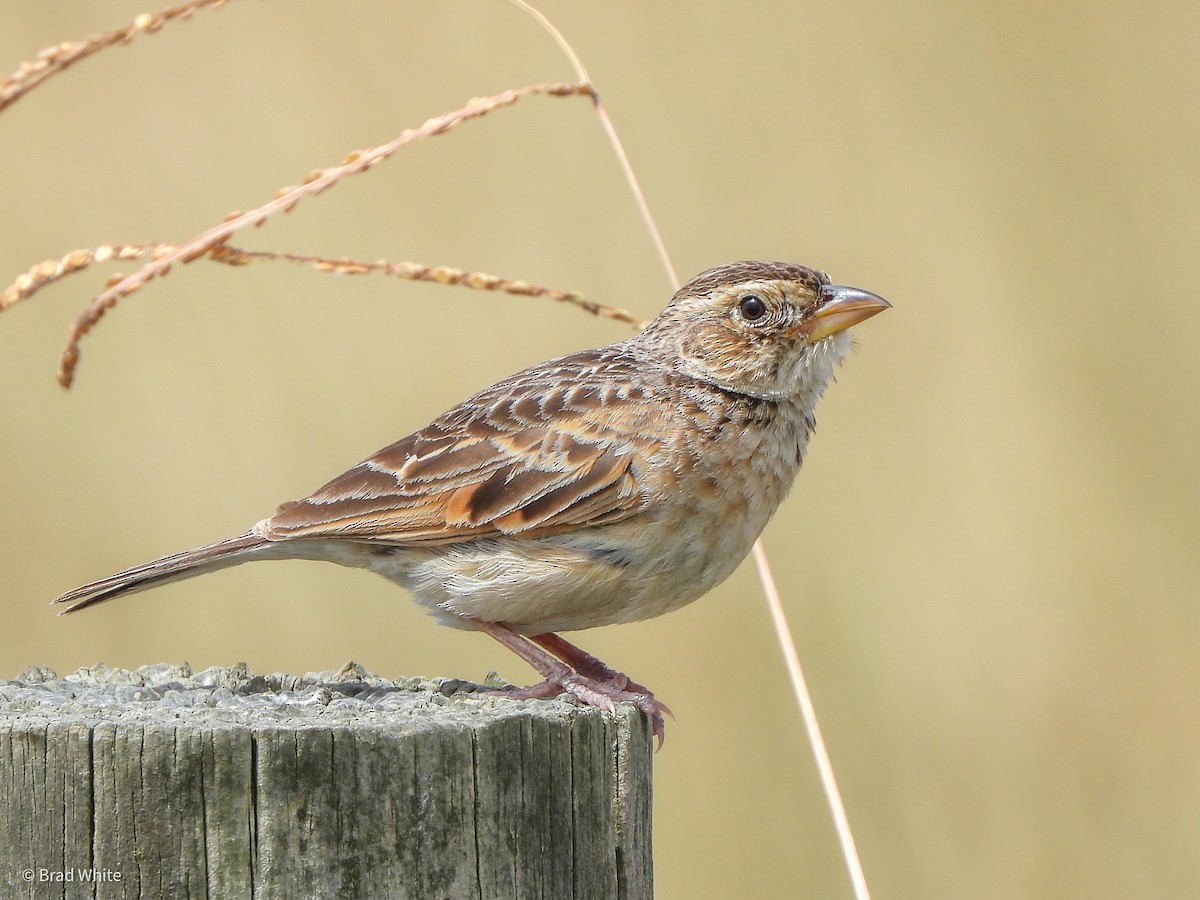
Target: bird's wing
550,449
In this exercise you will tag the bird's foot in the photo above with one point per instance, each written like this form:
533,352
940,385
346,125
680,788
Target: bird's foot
601,694
567,669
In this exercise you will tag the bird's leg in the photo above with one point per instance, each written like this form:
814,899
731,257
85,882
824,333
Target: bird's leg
566,668
559,676
582,661
615,684
546,665
592,668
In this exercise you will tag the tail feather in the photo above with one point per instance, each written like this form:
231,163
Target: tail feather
178,566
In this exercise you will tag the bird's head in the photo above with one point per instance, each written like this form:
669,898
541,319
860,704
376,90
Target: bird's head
767,329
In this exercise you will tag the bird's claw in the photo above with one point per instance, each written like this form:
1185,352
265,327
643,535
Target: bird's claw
600,694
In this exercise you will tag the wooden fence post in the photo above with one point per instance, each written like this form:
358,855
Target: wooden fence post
162,782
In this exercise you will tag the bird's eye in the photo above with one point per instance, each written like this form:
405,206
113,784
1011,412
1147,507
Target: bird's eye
752,307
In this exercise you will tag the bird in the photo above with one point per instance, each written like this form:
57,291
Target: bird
603,487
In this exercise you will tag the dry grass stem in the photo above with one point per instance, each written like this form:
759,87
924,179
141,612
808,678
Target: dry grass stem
812,725
283,201
412,271
51,270
614,140
46,273
783,632
53,60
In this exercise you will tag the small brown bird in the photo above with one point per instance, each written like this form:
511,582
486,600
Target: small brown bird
606,486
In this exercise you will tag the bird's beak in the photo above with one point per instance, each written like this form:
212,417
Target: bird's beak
840,308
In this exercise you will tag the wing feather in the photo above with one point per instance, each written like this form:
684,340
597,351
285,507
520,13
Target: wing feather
518,458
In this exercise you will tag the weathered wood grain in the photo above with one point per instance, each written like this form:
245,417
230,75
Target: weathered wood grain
162,782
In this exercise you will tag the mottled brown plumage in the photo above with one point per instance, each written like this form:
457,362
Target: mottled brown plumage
606,486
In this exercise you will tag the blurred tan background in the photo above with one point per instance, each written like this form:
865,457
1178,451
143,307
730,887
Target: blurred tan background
990,559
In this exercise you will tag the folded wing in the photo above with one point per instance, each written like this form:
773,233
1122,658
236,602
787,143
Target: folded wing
518,459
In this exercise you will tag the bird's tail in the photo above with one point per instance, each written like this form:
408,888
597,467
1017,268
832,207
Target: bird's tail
229,552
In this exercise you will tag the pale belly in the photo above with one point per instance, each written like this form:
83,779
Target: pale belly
624,572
